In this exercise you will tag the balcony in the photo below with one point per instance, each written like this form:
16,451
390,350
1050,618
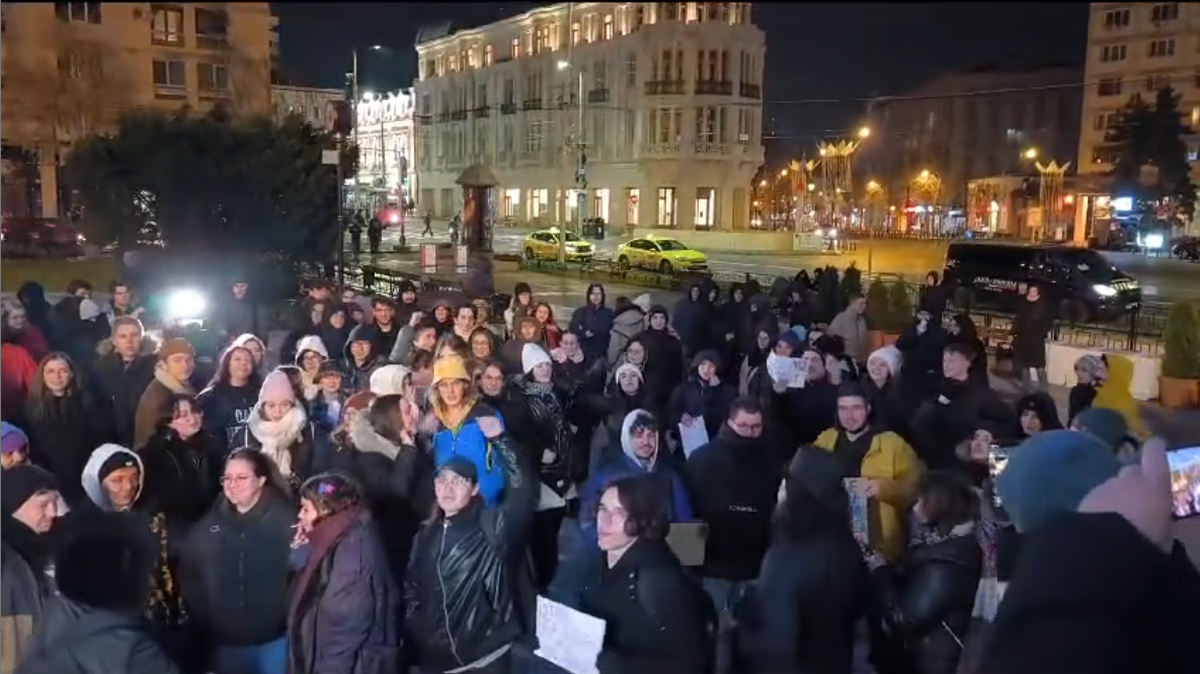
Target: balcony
532,104
750,91
597,96
714,88
508,108
660,149
480,113
665,88
443,117
458,116
701,147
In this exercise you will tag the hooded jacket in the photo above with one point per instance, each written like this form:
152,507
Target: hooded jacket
701,399
468,440
626,463
593,324
357,377
627,323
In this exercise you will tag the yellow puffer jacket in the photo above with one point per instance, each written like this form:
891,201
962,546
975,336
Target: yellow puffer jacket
892,463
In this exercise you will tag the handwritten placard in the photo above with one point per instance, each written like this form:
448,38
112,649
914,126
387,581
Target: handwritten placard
568,638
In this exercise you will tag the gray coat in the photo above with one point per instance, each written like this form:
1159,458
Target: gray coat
80,640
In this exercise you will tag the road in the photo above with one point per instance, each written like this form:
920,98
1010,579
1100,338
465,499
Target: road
1162,279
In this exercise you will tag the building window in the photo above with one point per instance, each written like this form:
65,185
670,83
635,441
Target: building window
170,74
608,27
1104,120
631,206
631,70
1162,48
166,25
515,48
1116,19
212,29
1157,82
487,55
473,57
1168,11
576,33
212,77
666,207
1109,86
79,67
78,12
706,207
1112,53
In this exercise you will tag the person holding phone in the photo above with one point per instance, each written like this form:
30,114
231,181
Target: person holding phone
1103,586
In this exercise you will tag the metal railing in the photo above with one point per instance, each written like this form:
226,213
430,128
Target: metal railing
1138,331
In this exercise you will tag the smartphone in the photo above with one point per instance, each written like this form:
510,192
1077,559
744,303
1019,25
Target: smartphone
997,462
1185,482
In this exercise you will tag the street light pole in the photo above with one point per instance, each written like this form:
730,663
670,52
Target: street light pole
354,110
581,168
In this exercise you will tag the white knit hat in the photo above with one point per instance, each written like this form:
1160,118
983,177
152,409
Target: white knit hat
533,355
311,343
890,356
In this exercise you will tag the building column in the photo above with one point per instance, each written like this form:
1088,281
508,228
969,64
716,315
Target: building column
648,206
726,220
1079,236
48,175
685,206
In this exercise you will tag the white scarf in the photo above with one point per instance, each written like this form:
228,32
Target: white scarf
277,437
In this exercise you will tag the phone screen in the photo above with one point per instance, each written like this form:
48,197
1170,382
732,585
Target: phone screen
1185,481
997,462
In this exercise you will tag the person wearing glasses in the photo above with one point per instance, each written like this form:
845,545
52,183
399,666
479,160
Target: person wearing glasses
234,568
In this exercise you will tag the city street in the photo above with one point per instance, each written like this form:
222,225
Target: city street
1162,279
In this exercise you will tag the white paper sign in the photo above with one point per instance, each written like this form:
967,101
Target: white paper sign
568,638
789,371
693,436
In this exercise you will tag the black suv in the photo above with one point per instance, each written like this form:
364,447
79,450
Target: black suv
1080,282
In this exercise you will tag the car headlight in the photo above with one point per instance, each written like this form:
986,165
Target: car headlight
185,305
1104,290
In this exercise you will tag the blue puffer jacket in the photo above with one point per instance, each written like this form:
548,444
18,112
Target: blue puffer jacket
468,441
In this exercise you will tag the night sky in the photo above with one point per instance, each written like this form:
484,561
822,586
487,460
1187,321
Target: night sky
835,53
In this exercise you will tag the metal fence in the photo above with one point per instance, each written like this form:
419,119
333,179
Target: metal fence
1139,331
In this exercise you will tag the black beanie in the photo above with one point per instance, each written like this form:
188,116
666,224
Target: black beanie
20,483
117,461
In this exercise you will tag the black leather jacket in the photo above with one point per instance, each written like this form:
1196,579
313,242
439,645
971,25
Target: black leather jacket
929,598
460,589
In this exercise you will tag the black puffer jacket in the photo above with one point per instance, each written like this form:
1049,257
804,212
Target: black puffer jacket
234,571
928,599
184,475
658,618
540,424
460,597
121,384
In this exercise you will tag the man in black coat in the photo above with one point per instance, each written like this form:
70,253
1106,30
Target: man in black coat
1033,322
123,371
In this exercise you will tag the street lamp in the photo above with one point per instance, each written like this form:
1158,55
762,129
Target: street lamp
864,132
1031,153
581,162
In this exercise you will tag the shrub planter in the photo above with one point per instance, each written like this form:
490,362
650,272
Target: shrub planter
1179,382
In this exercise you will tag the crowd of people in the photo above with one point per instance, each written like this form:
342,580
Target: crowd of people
732,484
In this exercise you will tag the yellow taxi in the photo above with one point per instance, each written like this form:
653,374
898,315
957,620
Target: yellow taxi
662,254
543,245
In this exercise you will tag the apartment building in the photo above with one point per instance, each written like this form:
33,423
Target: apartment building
307,102
967,124
1138,48
663,99
71,68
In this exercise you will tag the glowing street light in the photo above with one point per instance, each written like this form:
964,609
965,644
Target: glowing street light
368,96
1031,153
864,132
783,173
924,174
872,186
563,65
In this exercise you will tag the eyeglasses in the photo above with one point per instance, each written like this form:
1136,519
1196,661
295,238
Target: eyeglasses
235,480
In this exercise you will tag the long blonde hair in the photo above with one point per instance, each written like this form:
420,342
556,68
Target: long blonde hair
40,395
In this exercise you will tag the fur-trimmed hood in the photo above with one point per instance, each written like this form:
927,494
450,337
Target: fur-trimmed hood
149,347
366,440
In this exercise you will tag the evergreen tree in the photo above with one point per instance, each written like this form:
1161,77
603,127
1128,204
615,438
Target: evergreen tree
1132,137
1174,185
